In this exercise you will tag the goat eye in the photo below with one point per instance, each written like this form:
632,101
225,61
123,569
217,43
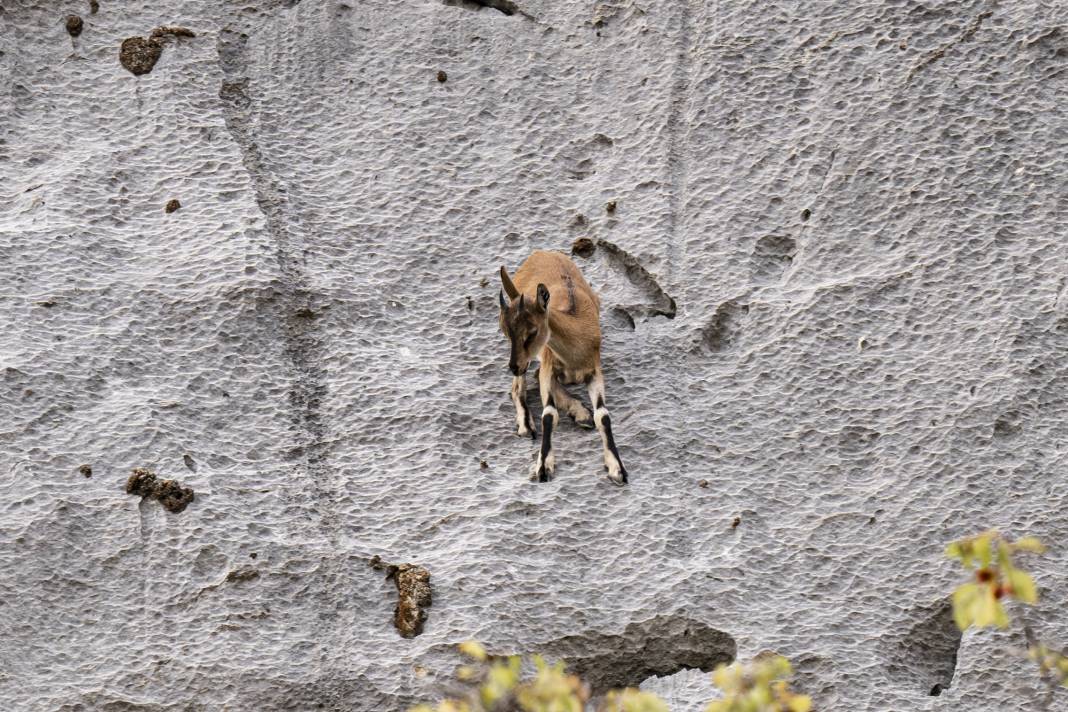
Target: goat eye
529,341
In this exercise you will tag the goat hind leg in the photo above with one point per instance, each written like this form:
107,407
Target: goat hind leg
570,405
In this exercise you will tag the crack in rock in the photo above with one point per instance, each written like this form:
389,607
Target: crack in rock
295,296
937,54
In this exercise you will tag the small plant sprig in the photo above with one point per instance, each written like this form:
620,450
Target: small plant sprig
497,684
1052,664
989,556
760,686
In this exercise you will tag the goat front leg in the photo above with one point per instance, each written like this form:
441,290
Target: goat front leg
612,462
543,468
523,419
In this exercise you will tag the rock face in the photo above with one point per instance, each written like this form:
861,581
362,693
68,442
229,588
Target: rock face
833,284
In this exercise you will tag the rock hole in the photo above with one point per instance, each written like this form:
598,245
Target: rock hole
805,215
772,256
506,7
621,318
583,247
856,439
924,658
722,329
1007,426
662,304
661,646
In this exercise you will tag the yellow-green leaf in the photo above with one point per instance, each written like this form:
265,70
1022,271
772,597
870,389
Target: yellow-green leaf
1023,586
963,604
473,649
982,549
800,703
1030,543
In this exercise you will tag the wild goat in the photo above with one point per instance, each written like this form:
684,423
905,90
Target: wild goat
552,313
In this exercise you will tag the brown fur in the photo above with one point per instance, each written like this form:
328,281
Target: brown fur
553,314
573,316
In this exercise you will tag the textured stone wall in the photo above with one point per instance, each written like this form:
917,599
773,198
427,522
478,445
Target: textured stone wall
833,278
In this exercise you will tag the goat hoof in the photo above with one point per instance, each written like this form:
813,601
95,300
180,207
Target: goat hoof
617,476
541,476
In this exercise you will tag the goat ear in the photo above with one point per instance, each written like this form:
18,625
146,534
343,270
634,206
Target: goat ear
504,301
508,286
543,297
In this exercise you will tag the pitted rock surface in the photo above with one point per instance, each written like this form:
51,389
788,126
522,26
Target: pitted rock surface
854,211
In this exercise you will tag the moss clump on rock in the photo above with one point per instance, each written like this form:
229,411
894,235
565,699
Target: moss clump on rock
414,595
74,25
139,55
169,493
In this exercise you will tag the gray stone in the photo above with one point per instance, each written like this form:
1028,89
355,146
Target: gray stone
854,212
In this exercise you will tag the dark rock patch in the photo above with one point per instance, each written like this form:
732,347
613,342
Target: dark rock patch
172,205
169,493
86,470
243,574
442,76
94,7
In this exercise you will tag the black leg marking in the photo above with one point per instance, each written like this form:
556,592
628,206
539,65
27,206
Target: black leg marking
606,423
546,445
600,402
